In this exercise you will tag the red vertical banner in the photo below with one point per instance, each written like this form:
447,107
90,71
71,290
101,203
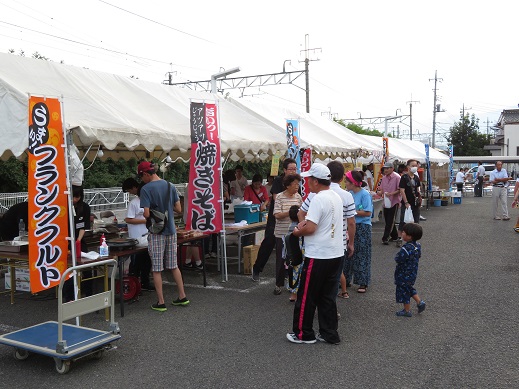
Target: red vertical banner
204,209
385,157
48,216
306,163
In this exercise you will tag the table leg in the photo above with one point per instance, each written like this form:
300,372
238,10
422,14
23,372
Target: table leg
13,278
120,263
240,235
107,310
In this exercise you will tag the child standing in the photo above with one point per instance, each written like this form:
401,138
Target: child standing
292,280
407,269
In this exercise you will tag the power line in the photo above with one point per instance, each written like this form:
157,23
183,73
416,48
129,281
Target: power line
159,23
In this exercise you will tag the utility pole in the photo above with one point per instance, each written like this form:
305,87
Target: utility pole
436,108
307,70
463,115
411,117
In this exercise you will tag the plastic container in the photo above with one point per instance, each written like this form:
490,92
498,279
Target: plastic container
103,249
445,203
437,202
249,213
457,200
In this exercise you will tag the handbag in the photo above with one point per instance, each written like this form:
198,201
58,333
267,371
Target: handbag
408,215
294,255
158,220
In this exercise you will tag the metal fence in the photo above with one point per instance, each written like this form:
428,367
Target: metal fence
99,199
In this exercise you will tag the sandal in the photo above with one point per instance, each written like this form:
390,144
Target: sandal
343,295
362,289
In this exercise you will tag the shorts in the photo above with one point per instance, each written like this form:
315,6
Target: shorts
163,251
404,292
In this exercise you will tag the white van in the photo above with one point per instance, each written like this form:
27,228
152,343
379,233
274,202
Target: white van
473,170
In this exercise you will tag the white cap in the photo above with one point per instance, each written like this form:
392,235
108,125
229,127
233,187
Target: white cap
318,170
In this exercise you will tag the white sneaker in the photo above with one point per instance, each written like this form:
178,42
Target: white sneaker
294,339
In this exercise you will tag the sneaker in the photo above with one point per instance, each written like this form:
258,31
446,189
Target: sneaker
385,242
182,302
277,290
294,339
255,275
159,307
200,266
404,313
207,256
399,242
321,339
506,218
147,287
212,254
189,265
422,218
421,306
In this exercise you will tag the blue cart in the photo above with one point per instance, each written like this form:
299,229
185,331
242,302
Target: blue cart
66,342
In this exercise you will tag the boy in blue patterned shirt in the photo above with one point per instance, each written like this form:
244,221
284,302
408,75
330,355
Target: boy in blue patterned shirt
407,269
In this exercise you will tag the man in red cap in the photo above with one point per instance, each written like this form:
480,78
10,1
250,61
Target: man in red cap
163,246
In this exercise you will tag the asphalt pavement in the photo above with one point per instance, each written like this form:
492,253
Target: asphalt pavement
232,335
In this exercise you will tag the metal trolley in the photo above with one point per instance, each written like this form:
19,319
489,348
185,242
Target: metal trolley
66,342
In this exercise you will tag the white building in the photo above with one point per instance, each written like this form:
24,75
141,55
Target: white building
506,141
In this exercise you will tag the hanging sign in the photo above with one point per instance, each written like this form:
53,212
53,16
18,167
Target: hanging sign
204,211
48,202
274,168
385,158
451,166
293,145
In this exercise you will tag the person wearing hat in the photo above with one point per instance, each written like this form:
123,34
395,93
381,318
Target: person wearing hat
389,188
163,246
324,252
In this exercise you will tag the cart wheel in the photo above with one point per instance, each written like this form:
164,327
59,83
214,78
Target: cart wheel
20,354
62,366
130,287
99,353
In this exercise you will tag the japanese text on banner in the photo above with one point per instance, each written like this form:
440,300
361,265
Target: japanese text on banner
48,215
204,211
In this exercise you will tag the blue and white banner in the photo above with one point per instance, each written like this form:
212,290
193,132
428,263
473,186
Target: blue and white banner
428,167
293,144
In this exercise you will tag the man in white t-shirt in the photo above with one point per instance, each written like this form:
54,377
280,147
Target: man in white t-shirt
136,222
480,175
238,185
324,251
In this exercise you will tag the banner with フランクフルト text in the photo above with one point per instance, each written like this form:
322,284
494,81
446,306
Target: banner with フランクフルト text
204,211
48,202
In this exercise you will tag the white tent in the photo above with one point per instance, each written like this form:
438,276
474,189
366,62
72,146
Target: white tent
129,117
325,137
404,149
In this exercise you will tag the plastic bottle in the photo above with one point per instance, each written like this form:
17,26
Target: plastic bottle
21,229
101,239
103,249
115,220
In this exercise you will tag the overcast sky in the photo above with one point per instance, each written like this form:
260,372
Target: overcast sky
374,57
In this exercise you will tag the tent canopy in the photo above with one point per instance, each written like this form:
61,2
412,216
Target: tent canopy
128,117
324,136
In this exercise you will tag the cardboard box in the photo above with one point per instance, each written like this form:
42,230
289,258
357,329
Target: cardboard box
250,254
21,280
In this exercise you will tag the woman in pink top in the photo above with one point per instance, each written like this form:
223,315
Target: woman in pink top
257,193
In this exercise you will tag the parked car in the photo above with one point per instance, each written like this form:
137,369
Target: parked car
473,170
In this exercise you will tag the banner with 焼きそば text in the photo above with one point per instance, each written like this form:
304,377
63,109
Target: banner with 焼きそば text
204,210
48,203
306,164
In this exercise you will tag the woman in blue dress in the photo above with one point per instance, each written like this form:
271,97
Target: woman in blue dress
358,266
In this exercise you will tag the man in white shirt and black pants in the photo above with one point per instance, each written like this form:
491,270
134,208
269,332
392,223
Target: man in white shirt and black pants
324,251
478,188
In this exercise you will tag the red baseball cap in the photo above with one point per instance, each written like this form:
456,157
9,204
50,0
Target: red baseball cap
145,167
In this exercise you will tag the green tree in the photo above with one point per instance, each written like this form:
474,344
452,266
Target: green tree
13,176
359,129
466,138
